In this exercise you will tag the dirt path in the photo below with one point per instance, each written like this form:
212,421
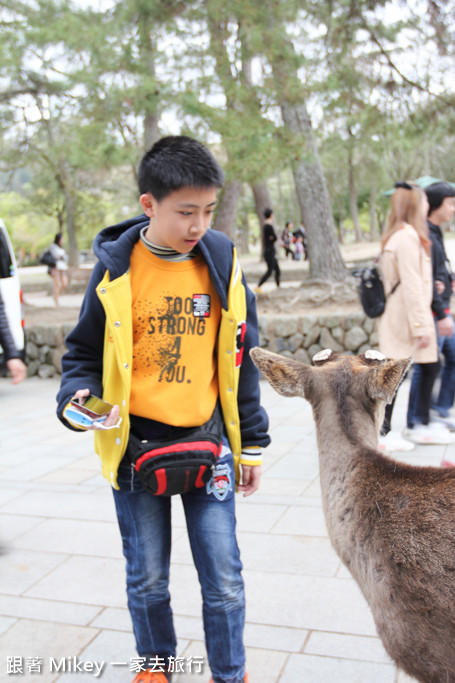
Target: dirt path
295,296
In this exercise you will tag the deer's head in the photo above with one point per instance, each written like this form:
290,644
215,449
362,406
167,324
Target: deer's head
369,378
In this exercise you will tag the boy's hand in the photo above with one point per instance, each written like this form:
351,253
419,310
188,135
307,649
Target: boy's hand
111,419
251,476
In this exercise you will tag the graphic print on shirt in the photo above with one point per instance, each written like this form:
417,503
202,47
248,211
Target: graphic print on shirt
201,305
161,327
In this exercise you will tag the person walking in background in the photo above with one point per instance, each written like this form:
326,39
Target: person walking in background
301,232
59,272
269,238
16,367
407,327
286,239
299,249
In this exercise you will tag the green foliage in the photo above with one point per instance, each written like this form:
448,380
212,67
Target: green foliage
28,229
81,90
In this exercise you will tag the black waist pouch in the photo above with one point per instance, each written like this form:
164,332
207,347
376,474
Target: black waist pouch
170,467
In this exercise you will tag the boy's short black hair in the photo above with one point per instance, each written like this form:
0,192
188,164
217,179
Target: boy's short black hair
175,162
437,192
267,213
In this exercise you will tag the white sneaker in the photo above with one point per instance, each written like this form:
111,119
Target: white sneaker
429,434
394,442
448,422
438,424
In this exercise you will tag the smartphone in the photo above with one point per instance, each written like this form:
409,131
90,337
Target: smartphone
93,409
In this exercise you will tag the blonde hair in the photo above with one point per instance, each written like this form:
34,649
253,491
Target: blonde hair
406,208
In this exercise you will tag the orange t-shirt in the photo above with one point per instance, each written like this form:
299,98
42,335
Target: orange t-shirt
176,317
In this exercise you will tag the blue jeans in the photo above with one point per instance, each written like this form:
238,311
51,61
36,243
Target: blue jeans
145,526
412,417
446,395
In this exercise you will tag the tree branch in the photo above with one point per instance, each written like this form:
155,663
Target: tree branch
393,66
10,94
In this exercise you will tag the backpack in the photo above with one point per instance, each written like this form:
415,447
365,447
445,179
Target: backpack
47,259
372,294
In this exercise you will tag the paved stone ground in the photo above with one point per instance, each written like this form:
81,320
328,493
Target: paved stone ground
62,589
62,571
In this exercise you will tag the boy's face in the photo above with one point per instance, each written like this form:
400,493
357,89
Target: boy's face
181,219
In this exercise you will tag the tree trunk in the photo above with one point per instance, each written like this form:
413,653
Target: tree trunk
151,130
262,199
227,207
339,230
151,94
374,232
60,218
323,251
65,181
311,189
70,205
353,200
244,242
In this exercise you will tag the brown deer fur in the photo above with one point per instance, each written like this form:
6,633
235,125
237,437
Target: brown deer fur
392,524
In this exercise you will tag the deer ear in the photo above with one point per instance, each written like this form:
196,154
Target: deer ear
385,379
286,376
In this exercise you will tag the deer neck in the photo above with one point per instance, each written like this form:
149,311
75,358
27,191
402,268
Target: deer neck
342,445
342,431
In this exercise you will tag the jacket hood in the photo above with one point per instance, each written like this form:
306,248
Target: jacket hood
113,246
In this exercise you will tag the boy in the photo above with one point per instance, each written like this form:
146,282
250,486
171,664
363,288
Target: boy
164,334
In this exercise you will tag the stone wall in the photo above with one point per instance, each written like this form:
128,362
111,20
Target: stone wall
291,336
301,338
44,348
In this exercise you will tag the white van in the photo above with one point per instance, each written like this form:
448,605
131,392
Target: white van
10,289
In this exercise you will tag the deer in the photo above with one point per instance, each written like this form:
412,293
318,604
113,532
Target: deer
392,524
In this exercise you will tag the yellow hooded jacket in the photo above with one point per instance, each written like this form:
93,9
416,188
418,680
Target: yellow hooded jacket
100,347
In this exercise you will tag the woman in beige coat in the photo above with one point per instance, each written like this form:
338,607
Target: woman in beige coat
407,327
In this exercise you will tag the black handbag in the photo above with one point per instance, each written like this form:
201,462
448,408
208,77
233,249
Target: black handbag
47,259
170,467
372,294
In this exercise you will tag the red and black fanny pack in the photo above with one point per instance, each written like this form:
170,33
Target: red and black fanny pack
170,467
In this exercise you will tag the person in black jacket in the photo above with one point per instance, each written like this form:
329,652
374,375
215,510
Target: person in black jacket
442,208
441,200
269,237
17,369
